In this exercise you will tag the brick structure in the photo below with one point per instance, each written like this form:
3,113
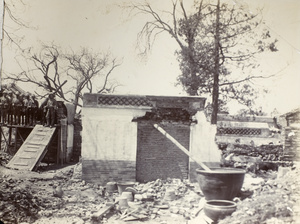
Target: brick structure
103,171
77,140
157,157
292,135
119,141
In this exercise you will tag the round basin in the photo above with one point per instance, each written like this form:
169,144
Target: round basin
219,209
220,183
123,185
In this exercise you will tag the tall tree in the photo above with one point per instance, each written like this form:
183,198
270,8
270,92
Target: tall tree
214,40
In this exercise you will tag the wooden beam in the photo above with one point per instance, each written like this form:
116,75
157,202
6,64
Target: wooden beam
9,136
16,138
0,137
200,163
4,138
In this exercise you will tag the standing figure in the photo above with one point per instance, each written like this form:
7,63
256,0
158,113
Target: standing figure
26,107
10,110
29,114
4,107
51,107
1,107
22,109
16,108
34,109
43,112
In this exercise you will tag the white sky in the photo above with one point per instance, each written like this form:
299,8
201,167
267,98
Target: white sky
100,25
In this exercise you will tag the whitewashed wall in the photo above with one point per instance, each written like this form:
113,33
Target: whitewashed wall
109,133
202,140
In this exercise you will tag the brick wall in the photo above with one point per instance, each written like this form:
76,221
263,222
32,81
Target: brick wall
157,156
103,171
77,140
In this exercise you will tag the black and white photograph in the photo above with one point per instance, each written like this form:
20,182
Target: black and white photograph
150,111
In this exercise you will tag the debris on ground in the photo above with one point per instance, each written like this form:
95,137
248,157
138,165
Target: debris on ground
254,158
275,199
61,196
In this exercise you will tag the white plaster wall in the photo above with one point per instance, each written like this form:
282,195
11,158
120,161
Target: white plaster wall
202,140
257,141
236,124
109,134
70,141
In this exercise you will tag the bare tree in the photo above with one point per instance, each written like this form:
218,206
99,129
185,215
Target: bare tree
11,35
42,70
86,68
67,75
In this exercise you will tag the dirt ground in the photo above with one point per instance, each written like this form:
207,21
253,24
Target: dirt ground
270,197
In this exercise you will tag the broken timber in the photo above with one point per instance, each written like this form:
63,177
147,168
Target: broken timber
33,149
161,130
103,211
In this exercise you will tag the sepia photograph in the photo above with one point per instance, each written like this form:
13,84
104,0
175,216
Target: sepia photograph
150,111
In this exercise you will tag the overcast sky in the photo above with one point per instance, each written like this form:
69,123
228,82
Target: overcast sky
101,25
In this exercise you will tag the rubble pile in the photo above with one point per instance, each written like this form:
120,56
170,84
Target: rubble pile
167,114
156,189
275,199
4,158
254,158
64,197
156,201
19,203
28,200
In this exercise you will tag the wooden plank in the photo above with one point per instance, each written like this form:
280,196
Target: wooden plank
33,149
21,164
0,137
104,210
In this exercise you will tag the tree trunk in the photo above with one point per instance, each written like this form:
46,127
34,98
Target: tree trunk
75,102
194,86
215,95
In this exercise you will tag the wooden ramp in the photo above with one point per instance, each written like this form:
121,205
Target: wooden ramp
33,149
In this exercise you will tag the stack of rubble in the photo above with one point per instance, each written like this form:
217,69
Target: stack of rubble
275,199
254,158
17,204
4,158
154,200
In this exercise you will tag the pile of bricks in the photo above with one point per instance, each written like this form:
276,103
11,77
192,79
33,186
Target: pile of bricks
155,200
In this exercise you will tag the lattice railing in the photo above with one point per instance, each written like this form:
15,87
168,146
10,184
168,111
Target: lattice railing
124,101
239,131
